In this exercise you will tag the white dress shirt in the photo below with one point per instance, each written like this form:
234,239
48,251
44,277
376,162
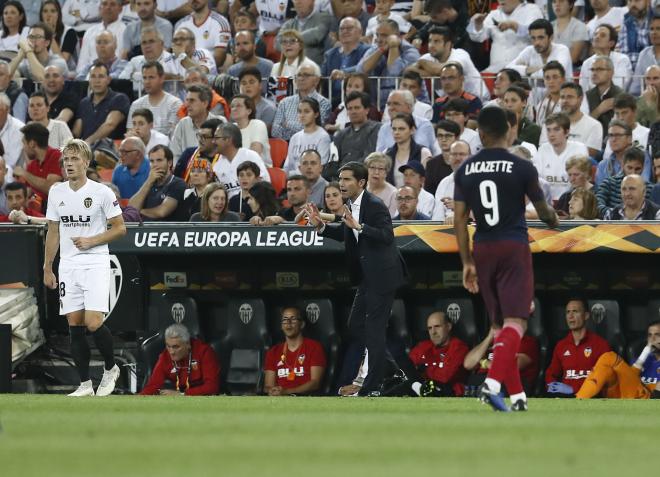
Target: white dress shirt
355,212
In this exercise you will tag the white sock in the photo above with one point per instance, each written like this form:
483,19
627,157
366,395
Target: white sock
417,387
519,397
493,385
642,357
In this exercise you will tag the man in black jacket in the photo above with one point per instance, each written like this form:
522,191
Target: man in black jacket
375,265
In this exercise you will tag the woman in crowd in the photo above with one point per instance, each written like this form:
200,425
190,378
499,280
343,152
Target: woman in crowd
38,108
582,205
339,117
313,136
200,176
405,148
13,26
515,99
579,170
262,202
569,31
332,200
214,206
64,40
379,165
253,131
293,55
505,78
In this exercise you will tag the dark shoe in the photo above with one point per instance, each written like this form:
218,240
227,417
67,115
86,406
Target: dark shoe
519,405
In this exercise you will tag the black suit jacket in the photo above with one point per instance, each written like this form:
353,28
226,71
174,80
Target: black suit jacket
374,260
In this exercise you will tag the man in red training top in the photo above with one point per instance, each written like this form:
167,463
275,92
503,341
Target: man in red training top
575,355
187,367
439,359
295,366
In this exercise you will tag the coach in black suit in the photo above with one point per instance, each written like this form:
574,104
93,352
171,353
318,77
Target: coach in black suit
375,265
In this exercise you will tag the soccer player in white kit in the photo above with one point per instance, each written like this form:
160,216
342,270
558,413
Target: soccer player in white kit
78,214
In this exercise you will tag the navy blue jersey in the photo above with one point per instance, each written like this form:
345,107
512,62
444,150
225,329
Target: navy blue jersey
493,183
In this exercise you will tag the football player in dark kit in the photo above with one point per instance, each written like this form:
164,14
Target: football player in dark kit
493,184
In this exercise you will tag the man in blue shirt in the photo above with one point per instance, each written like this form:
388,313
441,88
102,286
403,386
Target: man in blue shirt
343,59
134,169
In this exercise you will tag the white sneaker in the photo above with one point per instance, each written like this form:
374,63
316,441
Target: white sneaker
108,381
85,389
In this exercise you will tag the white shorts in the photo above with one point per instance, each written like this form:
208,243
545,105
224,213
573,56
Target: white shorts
84,289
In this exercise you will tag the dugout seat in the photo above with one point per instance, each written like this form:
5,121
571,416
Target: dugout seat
175,307
606,322
635,320
536,329
460,312
397,328
652,313
148,353
555,324
243,346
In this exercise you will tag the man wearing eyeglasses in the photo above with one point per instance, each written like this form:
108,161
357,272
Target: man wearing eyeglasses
146,11
206,150
406,201
601,97
34,56
134,169
296,365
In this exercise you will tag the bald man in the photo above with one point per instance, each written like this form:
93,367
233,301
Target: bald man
134,168
647,112
634,204
106,47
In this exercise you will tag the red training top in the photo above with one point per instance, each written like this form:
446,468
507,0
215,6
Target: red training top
294,368
528,346
51,165
571,364
204,372
442,364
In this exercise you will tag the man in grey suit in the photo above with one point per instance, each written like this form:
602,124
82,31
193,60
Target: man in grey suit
375,266
314,28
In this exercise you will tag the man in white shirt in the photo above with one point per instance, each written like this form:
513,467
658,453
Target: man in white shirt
584,128
111,21
10,133
79,212
153,49
212,31
507,27
533,58
413,82
550,160
604,14
143,127
459,152
441,50
413,176
456,110
229,141
625,109
163,105
603,42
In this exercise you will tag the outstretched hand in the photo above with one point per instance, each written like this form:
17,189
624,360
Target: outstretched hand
349,220
313,215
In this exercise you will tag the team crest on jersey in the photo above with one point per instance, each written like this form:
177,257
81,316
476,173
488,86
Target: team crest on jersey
282,6
87,202
194,365
301,358
206,34
587,351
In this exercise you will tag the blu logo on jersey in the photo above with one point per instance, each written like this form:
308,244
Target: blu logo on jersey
70,219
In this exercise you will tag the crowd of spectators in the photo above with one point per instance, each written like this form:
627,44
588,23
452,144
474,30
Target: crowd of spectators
176,97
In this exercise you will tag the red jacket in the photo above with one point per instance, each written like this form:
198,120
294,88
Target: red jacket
294,368
204,375
571,364
444,364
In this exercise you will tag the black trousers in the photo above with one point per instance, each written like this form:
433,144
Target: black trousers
368,320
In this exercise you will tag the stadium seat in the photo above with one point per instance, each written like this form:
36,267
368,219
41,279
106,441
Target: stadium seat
555,324
277,179
460,312
271,50
320,325
175,307
397,329
653,312
635,320
279,149
605,321
243,346
536,329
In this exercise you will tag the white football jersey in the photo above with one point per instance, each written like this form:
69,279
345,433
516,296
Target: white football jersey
214,32
227,174
82,213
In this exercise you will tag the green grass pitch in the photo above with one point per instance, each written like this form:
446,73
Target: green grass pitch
54,436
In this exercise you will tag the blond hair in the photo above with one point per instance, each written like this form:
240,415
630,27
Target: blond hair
78,146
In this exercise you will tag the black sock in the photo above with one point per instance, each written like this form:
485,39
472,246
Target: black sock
80,350
103,340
